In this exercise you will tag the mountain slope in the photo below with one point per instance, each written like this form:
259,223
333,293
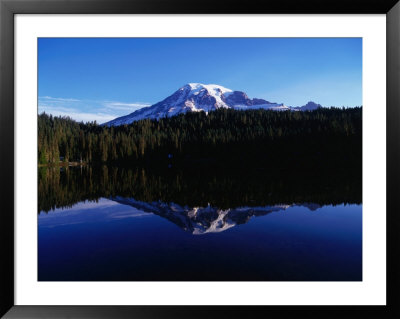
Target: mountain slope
196,97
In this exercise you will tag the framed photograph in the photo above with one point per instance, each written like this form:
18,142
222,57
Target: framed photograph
170,159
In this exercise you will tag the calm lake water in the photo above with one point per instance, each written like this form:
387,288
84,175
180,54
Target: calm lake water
161,227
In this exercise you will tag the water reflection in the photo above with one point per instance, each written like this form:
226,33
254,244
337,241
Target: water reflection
116,223
120,238
196,187
202,220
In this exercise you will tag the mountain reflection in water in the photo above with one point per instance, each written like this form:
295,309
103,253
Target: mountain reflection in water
137,224
202,220
197,187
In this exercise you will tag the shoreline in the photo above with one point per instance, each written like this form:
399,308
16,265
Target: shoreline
64,164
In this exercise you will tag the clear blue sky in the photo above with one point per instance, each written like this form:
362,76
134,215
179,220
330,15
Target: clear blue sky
100,79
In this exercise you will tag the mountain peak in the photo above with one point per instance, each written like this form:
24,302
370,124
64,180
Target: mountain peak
312,103
197,87
310,106
197,97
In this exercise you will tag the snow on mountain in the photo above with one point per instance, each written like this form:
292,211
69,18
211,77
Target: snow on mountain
197,97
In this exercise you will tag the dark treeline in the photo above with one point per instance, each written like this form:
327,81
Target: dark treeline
200,186
325,137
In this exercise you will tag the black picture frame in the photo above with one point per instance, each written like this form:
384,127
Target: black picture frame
8,8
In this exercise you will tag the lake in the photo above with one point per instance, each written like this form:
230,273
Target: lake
117,224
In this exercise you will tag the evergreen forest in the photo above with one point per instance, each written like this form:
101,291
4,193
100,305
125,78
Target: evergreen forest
321,138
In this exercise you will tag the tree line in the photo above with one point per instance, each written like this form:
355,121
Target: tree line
332,135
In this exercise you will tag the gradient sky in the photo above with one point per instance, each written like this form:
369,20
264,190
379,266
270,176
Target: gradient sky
100,79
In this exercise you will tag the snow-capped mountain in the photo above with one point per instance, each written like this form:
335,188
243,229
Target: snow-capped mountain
196,97
310,106
209,219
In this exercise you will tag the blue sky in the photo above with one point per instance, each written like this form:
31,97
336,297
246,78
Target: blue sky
100,79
